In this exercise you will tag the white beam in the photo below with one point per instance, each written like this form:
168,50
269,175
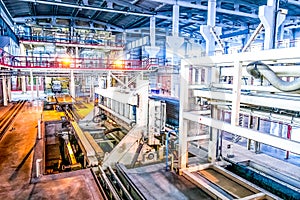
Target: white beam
197,137
262,100
268,139
228,59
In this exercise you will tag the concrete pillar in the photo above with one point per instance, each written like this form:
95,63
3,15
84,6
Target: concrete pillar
271,20
31,85
23,84
72,84
9,89
4,89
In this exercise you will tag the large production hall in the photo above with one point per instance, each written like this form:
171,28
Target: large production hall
150,99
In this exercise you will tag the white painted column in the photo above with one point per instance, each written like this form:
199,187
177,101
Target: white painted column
183,124
213,137
38,167
152,50
236,98
152,31
39,129
271,19
4,89
175,20
72,84
37,85
205,29
9,89
76,56
108,80
23,84
31,85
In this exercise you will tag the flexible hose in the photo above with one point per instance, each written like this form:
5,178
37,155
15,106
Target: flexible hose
258,69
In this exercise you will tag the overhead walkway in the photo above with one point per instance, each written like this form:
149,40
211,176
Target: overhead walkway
83,64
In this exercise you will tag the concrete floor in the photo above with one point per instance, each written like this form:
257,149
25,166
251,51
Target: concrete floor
18,147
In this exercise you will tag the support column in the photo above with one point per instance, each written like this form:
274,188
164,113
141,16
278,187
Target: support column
205,30
250,126
37,86
271,20
213,137
175,43
108,80
183,124
257,144
23,84
236,99
92,89
4,89
152,50
31,85
175,21
72,85
9,89
76,56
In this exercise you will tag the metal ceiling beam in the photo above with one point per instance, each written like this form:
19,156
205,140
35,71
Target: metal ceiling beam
111,10
294,2
201,7
23,19
90,8
127,4
6,16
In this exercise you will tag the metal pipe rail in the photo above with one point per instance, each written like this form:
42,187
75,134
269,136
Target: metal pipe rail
123,192
133,190
109,188
7,119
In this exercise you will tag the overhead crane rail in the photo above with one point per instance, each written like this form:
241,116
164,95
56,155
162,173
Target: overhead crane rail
7,119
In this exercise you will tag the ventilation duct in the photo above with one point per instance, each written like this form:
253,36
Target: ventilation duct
258,69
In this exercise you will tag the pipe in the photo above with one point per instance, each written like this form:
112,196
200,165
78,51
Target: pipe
258,69
167,149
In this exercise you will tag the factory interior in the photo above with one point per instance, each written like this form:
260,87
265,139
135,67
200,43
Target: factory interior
150,99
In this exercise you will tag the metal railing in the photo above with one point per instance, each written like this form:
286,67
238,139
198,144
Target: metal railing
67,62
73,40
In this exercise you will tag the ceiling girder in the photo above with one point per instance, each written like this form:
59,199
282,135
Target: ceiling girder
201,7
